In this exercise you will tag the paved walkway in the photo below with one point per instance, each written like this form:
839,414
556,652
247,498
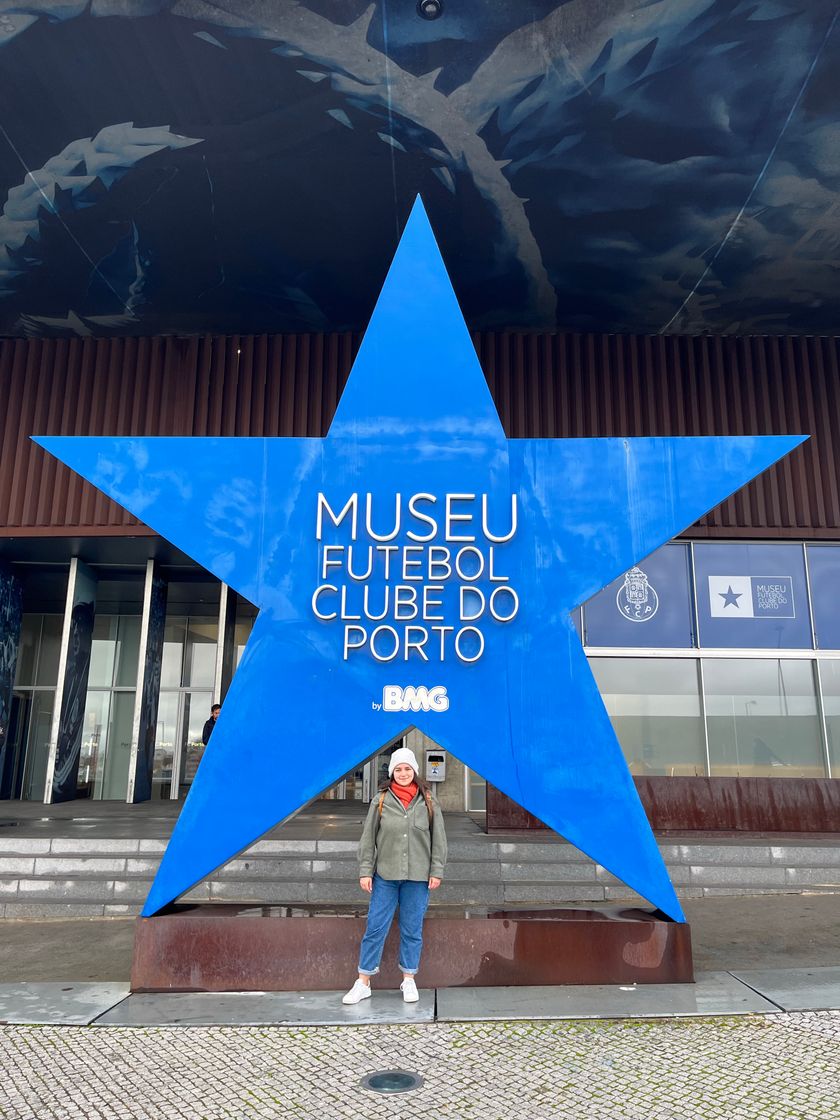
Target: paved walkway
493,1054
753,1068
155,820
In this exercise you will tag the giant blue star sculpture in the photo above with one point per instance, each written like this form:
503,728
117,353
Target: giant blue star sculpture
415,567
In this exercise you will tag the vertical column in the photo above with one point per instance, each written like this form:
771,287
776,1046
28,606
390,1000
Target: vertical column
71,694
11,612
226,649
148,687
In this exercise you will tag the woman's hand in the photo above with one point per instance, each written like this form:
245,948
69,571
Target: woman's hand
366,883
434,883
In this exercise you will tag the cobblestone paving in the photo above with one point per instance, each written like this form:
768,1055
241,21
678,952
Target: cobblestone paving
773,1067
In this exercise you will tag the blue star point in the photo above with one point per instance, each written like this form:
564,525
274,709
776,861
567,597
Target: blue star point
416,458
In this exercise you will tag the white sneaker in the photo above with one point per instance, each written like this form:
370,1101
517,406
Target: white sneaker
357,993
409,990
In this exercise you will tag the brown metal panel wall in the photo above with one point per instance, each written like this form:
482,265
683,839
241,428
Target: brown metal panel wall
602,385
729,805
545,385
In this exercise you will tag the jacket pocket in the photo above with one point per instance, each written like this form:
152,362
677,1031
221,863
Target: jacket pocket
421,820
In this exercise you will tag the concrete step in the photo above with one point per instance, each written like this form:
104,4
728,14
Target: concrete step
747,853
686,850
45,907
63,877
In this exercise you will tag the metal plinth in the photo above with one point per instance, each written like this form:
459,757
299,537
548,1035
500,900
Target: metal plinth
221,948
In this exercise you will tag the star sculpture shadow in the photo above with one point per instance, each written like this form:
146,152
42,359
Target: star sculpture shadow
416,546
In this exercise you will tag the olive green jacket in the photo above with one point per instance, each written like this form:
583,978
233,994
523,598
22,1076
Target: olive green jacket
399,844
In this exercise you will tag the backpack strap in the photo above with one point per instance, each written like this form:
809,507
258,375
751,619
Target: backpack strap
381,801
430,809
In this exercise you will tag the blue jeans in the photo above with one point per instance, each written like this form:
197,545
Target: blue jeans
412,897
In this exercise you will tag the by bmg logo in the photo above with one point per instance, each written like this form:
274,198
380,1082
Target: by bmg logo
419,699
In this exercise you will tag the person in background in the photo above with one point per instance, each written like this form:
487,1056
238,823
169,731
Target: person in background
210,724
402,855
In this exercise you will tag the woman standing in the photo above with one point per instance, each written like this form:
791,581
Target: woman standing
402,854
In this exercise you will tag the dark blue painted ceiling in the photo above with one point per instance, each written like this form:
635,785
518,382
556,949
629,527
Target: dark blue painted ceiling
245,165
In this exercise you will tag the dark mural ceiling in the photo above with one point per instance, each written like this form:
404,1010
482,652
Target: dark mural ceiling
246,165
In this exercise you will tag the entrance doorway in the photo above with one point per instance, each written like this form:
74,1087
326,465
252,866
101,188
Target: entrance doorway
30,722
178,743
362,782
28,744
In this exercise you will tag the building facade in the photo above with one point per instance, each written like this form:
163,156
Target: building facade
718,657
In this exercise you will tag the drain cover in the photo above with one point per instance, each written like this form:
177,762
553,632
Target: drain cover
392,1081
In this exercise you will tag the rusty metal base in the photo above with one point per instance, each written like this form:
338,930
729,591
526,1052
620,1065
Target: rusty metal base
221,948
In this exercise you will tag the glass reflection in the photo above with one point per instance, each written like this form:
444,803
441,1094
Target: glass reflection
36,677
39,720
189,652
30,638
762,718
94,741
50,650
108,723
830,678
241,634
113,783
654,705
165,740
476,792
106,745
128,652
824,574
200,653
174,640
196,711
115,651
103,651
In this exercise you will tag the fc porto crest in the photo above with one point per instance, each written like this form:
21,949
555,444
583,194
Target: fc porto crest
637,599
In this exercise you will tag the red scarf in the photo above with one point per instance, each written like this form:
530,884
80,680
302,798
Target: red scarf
405,794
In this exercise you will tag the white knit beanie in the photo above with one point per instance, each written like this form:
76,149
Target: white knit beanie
403,754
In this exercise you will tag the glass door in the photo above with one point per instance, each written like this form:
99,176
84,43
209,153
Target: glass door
11,780
113,783
187,678
476,793
105,759
178,743
166,738
195,708
354,783
38,745
35,686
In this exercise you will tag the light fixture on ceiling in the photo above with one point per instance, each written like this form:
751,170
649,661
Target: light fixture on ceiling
430,9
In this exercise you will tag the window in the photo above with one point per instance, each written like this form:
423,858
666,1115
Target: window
830,678
763,718
188,674
757,716
654,705
107,729
752,596
476,792
824,574
649,606
36,677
